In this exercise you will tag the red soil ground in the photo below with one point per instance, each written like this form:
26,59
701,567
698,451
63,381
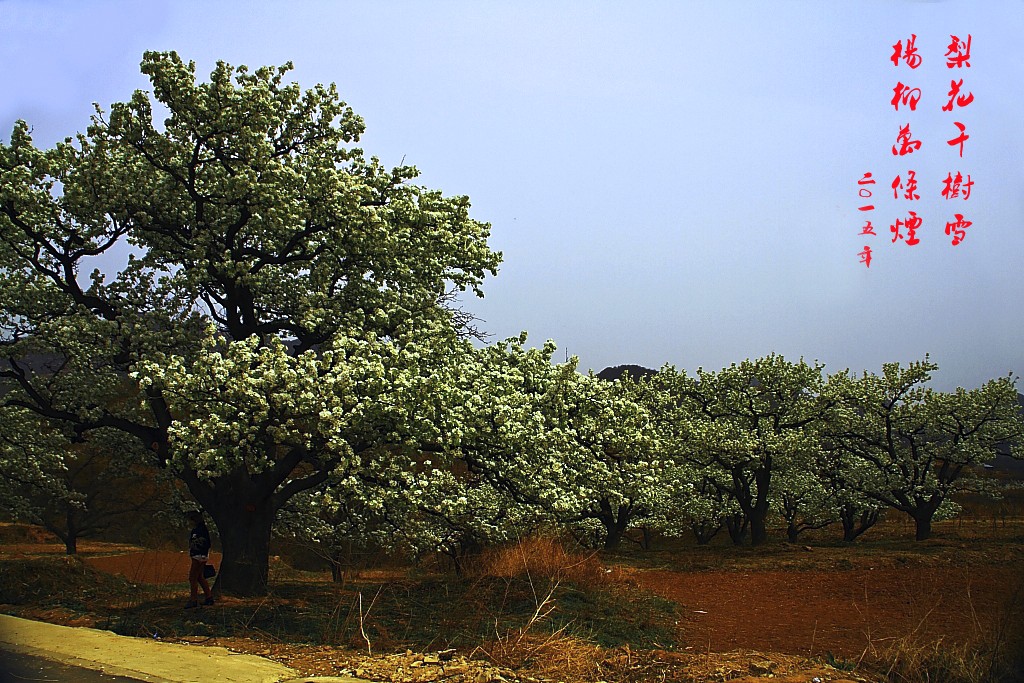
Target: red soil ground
153,566
842,612
796,612
804,611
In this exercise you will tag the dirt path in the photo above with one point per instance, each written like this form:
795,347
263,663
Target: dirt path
843,612
152,566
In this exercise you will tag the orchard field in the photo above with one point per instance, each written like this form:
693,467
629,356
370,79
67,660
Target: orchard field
277,339
886,608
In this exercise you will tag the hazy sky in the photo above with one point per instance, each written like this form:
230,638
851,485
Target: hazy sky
669,181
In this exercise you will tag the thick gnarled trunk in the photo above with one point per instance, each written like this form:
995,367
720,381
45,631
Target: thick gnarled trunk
243,510
244,531
243,506
761,505
615,521
922,524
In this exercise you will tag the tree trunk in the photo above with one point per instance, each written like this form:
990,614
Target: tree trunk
705,531
738,525
758,530
245,541
340,559
759,511
337,572
924,526
923,511
793,532
851,528
615,530
243,507
68,534
615,523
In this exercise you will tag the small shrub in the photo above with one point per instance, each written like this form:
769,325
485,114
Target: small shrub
541,558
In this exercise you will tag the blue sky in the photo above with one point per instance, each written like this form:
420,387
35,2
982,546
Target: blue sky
670,182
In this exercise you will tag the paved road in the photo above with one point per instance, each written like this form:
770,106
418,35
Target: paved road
136,658
19,668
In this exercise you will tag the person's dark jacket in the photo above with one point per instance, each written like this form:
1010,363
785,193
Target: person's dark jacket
199,542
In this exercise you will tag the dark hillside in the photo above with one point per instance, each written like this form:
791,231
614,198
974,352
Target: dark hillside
636,371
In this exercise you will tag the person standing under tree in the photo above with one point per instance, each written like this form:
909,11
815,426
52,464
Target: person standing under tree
199,552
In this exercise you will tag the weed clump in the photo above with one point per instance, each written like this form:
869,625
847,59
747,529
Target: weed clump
995,654
545,602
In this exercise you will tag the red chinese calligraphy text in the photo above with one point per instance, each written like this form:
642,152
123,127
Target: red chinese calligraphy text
954,186
865,192
911,187
956,228
959,52
912,224
960,139
905,95
955,96
908,55
907,145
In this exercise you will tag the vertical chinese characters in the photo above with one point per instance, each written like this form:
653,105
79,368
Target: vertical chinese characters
958,56
907,186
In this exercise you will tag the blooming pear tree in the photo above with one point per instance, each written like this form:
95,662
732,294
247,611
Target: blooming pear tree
74,490
706,509
263,246
457,513
743,425
573,446
915,446
803,501
630,482
844,479
251,414
432,506
501,426
35,475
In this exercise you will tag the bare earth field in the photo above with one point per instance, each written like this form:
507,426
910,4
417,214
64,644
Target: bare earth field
814,612
790,613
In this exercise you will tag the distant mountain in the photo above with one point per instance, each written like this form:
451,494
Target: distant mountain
635,371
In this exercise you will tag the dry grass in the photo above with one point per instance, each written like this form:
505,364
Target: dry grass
519,646
916,660
569,659
542,558
994,653
542,646
542,561
543,609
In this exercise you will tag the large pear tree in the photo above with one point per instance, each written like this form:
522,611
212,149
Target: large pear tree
912,448
574,448
276,291
742,427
